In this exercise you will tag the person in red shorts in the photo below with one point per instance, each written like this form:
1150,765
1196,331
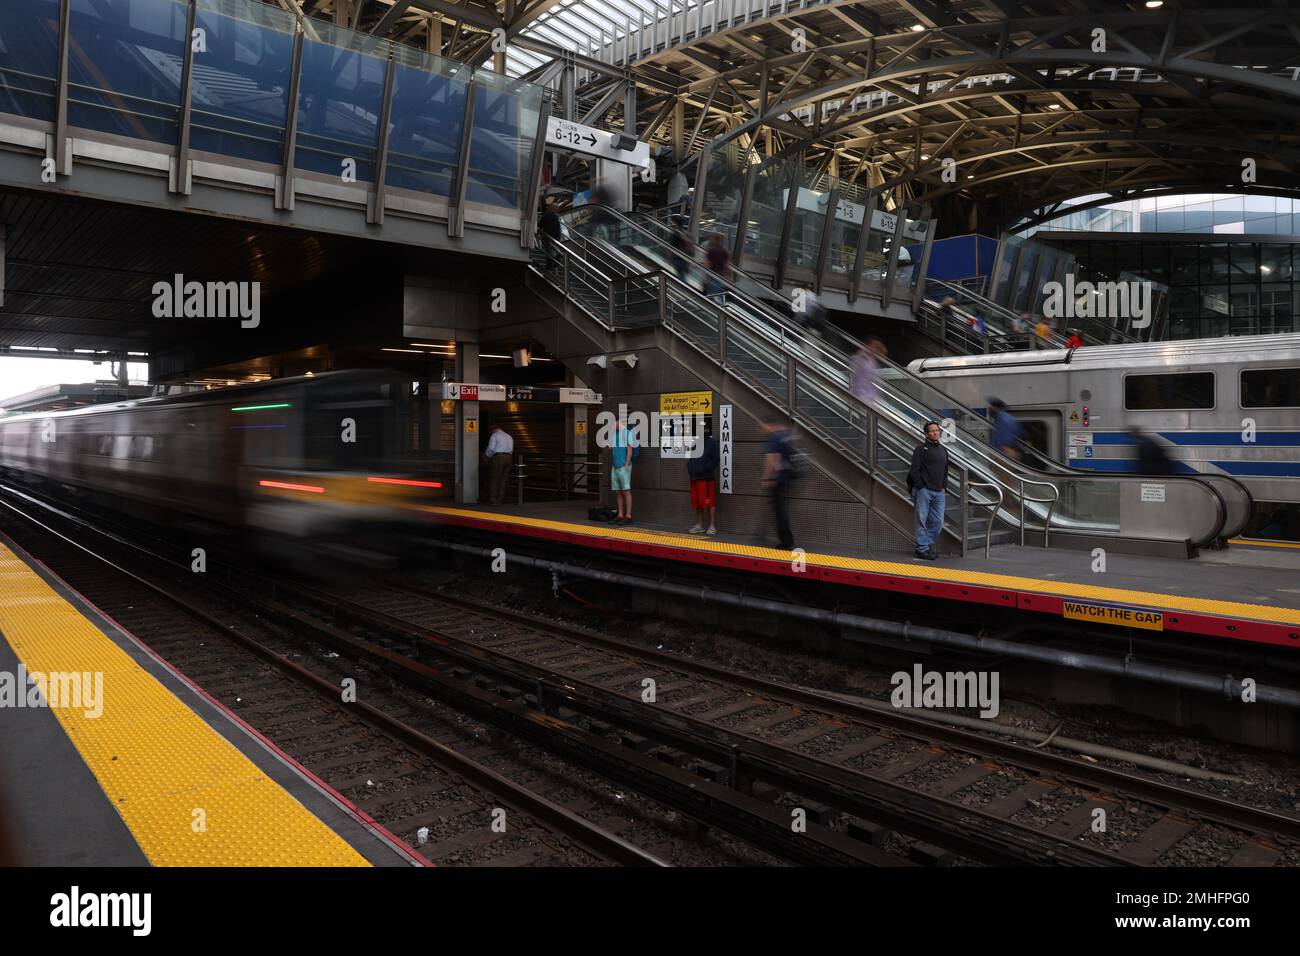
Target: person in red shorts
704,483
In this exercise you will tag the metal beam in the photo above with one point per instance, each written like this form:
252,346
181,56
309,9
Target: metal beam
528,219
459,185
181,183
284,197
375,208
824,247
787,225
62,159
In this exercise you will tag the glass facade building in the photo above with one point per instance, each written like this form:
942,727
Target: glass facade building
1228,260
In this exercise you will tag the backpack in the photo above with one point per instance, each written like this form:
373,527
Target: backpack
601,514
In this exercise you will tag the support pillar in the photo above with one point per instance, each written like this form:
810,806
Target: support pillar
469,446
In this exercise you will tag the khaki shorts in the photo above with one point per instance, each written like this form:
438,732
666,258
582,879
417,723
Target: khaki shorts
620,479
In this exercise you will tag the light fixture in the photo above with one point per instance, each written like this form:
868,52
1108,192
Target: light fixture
917,27
1155,4
925,155
1053,106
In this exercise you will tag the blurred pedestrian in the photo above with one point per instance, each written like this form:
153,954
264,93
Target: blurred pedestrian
718,257
1152,459
779,473
703,472
601,218
498,454
865,381
1075,341
1043,333
927,480
1006,429
681,242
550,222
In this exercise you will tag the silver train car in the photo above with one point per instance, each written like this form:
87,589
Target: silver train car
312,457
1228,406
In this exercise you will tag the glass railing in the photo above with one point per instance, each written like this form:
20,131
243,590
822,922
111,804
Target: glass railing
126,63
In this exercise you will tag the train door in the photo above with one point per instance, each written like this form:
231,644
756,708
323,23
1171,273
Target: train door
1042,430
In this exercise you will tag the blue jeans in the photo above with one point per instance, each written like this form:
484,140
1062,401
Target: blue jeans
929,517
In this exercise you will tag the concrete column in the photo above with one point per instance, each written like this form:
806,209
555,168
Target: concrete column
577,429
469,447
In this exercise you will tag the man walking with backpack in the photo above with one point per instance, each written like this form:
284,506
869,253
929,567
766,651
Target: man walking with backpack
925,483
780,469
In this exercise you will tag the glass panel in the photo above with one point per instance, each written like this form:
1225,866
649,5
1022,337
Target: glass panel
806,232
29,57
723,192
427,118
767,214
124,67
241,79
501,144
340,101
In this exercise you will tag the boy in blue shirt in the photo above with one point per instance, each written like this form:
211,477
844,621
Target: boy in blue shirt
620,475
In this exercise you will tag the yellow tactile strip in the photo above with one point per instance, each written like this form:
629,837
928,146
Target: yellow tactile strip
1190,605
189,796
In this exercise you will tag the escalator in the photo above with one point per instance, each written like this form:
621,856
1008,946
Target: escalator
625,275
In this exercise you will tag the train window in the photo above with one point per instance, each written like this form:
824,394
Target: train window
142,447
1166,392
1270,388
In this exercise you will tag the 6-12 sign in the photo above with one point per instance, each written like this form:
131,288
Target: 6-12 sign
579,138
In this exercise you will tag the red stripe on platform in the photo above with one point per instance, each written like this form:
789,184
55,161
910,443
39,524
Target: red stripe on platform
1232,628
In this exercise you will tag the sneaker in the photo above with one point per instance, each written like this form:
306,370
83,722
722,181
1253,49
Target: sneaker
698,529
921,554
931,555
712,532
627,520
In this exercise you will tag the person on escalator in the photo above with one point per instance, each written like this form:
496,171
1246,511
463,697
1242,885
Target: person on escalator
601,218
550,222
865,381
810,312
718,257
681,242
1006,429
926,481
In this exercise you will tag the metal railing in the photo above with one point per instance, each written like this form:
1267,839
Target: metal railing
559,475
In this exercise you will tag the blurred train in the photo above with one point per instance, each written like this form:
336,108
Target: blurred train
1228,406
319,457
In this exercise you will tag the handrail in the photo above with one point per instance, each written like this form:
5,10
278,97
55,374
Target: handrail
993,506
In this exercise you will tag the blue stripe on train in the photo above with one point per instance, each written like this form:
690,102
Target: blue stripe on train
1258,469
1266,438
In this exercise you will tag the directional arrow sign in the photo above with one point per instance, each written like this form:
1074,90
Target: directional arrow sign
589,141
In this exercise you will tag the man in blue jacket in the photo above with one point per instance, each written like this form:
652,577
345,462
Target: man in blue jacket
703,471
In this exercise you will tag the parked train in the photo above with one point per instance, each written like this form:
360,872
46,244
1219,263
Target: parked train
1227,406
314,457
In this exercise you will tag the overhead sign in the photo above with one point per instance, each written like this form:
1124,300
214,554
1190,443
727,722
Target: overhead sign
465,392
686,403
601,143
1113,614
851,212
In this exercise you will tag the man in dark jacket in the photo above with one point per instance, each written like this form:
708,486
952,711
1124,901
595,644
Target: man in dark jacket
704,482
926,480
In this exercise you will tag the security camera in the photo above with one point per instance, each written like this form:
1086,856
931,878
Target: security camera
629,360
597,360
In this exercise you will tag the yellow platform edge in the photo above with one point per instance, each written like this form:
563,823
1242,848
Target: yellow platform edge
1066,589
188,795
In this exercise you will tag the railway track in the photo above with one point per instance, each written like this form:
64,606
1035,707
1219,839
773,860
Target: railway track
809,777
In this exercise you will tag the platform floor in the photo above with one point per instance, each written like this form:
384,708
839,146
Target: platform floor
1245,593
141,768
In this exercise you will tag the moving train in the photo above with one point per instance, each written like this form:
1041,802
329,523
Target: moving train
1228,406
315,457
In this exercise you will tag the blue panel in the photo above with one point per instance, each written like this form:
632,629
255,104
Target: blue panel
29,57
1122,465
494,174
954,258
339,104
424,139
1270,469
241,87
125,66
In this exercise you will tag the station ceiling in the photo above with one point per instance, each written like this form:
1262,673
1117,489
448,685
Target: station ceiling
1035,102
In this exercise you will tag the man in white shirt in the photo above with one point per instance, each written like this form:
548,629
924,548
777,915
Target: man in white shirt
500,448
